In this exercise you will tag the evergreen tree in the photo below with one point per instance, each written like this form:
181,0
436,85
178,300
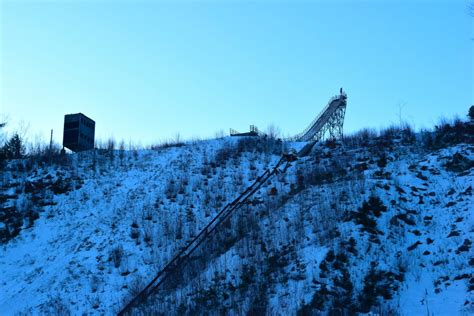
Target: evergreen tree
14,148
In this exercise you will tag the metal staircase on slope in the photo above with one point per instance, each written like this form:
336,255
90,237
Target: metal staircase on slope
329,121
184,254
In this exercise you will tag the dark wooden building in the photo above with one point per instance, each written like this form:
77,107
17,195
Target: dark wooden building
79,132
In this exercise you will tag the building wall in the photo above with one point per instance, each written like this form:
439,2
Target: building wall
79,132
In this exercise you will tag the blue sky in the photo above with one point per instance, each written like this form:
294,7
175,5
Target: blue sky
146,70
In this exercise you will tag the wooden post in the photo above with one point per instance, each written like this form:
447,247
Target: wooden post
51,147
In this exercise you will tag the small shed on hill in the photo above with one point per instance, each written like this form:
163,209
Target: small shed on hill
79,132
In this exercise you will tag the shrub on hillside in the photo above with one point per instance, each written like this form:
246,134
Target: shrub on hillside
341,298
12,221
318,303
382,161
446,133
426,139
224,154
56,306
3,158
394,135
408,135
362,138
317,174
368,213
377,283
451,133
260,145
459,163
174,142
116,255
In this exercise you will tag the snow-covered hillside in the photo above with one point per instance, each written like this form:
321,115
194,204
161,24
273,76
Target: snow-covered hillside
348,227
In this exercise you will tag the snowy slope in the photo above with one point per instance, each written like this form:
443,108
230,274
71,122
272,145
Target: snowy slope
126,214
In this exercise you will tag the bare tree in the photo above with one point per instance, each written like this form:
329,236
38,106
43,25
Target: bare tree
220,134
177,139
273,131
400,106
111,148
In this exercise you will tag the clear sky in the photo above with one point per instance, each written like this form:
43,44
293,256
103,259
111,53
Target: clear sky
146,70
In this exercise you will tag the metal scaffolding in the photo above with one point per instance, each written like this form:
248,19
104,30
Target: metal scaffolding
328,124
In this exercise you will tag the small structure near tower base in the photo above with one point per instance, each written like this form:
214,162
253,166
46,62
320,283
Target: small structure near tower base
254,131
79,131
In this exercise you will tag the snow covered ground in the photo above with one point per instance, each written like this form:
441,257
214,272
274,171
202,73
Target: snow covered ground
127,213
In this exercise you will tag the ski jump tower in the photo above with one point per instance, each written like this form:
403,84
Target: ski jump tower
328,124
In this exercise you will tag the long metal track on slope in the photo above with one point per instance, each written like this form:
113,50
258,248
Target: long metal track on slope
330,120
181,258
